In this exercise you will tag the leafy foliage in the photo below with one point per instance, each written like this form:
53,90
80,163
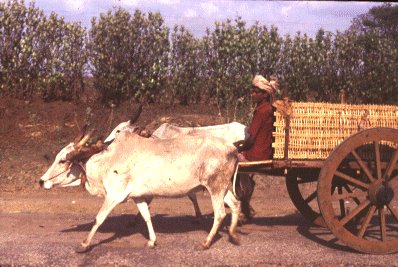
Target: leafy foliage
134,56
382,19
129,55
40,55
186,72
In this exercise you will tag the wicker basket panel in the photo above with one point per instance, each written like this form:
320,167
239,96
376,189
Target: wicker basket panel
317,128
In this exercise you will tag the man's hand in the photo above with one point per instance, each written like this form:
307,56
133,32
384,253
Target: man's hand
243,145
237,144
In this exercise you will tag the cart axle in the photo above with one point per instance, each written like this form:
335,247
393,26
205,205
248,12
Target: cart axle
380,193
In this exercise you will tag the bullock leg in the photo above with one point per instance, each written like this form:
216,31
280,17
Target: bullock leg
219,215
144,210
234,205
107,207
245,192
138,217
194,200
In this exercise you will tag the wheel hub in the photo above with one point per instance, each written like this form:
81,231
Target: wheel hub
380,193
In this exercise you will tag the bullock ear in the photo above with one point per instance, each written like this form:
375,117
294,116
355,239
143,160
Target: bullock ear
136,114
145,133
142,132
137,130
99,144
71,155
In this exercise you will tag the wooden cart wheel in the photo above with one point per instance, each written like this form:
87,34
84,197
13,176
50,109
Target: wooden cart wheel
358,191
301,185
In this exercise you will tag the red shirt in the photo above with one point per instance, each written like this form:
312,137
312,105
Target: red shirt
260,130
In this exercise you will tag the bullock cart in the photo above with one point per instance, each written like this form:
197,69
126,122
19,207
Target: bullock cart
340,166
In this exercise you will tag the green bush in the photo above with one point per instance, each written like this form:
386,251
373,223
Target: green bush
128,54
18,57
39,55
134,56
186,68
64,59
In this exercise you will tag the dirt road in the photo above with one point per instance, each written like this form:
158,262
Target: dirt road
43,228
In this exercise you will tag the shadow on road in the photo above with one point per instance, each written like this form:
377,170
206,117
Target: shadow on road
320,235
324,237
127,225
285,220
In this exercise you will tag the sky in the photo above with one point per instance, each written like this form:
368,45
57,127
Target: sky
288,16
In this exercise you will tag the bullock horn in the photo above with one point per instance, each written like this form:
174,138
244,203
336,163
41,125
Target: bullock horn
86,152
84,140
136,114
81,135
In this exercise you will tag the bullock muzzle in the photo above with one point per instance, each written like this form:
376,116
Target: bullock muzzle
45,184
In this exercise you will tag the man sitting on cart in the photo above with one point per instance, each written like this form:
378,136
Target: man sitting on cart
258,144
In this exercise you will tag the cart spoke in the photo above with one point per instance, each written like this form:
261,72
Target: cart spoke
362,165
358,193
355,212
365,166
392,164
366,221
382,221
354,195
310,197
333,188
393,211
393,178
301,185
351,180
377,159
341,202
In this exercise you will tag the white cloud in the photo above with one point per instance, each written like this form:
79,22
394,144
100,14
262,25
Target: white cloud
209,8
286,10
126,3
169,2
190,13
75,5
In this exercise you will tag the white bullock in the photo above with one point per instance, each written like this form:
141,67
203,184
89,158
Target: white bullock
133,167
230,132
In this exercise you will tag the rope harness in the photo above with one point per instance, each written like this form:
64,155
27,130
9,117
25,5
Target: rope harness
82,175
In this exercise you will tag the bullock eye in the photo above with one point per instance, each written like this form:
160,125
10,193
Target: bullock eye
118,131
63,161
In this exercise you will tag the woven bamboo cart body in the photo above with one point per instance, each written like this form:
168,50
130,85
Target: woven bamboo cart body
348,155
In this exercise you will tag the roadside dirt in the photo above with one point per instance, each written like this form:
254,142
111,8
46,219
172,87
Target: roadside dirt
42,228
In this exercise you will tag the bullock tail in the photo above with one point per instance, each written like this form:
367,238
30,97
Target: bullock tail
234,180
243,187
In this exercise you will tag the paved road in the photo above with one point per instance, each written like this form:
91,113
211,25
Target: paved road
44,231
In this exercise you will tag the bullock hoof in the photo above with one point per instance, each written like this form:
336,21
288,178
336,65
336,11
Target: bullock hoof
234,239
151,244
205,245
242,219
82,249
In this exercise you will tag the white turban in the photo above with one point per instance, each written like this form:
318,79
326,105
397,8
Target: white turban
263,84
